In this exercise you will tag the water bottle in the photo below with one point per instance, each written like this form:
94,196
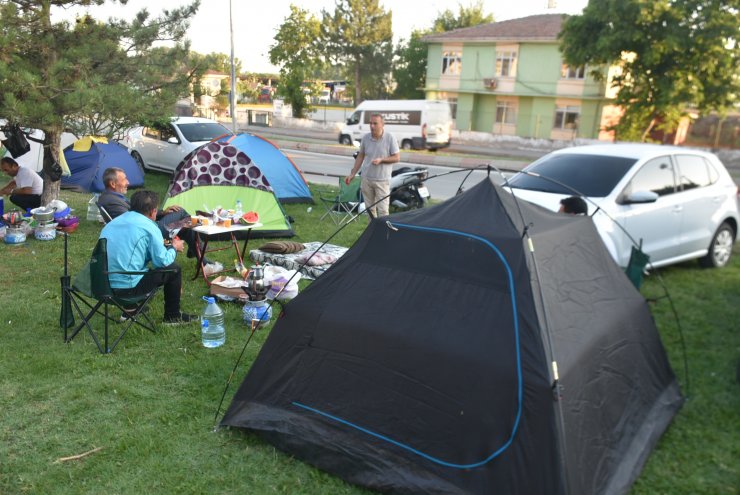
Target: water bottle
213,331
93,213
238,211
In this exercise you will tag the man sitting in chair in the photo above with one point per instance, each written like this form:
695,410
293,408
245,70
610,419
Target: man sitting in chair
114,203
134,240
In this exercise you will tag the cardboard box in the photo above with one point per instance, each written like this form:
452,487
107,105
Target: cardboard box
226,291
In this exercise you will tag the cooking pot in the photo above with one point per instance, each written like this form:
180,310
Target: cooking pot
43,214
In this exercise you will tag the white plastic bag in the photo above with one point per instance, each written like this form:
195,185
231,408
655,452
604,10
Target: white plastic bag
212,268
278,277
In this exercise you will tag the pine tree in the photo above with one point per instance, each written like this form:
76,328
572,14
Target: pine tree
88,75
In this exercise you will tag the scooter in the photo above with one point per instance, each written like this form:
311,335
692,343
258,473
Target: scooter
407,189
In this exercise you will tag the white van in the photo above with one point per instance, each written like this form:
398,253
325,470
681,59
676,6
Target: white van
416,124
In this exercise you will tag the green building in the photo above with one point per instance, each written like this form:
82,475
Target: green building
509,78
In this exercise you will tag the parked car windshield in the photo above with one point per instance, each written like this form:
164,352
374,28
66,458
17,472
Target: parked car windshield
202,131
589,175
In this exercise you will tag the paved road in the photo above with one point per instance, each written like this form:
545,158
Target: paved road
443,182
462,154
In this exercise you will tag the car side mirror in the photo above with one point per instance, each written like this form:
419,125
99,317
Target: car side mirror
173,140
639,197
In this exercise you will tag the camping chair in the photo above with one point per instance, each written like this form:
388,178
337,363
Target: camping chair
104,213
636,267
345,206
91,289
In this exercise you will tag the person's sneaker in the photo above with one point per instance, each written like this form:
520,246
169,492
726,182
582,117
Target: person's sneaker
180,319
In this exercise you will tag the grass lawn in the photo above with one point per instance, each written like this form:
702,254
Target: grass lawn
150,405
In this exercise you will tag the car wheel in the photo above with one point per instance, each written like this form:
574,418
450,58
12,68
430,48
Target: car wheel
406,144
139,161
720,249
345,139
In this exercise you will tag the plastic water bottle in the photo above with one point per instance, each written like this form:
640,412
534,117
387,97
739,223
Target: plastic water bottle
93,213
213,331
238,211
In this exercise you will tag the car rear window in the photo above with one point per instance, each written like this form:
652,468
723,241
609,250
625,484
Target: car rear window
202,131
588,175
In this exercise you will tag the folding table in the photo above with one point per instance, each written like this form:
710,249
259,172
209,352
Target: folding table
205,232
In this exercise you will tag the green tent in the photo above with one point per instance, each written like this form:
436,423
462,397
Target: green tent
217,175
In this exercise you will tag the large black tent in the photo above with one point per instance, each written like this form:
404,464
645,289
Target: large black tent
427,359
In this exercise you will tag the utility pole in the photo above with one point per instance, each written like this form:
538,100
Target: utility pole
232,95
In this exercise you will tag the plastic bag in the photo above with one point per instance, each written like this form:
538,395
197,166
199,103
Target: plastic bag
15,141
278,278
212,268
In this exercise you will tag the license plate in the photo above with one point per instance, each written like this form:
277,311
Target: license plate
423,192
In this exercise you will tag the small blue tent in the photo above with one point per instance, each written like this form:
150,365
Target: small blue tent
285,177
87,159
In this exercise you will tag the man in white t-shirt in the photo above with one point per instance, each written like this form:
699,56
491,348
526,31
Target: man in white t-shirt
25,186
378,152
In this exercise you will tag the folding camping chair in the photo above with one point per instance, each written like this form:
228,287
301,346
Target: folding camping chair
345,206
91,289
104,213
635,270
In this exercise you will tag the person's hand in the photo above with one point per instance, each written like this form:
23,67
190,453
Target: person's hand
172,209
348,179
377,161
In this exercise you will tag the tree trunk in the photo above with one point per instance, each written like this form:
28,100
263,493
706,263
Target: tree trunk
647,131
718,136
52,133
52,142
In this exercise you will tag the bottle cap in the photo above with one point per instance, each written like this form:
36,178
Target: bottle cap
209,300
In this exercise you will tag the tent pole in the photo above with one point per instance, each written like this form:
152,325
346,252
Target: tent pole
553,360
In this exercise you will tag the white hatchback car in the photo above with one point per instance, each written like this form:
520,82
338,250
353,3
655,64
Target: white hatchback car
164,147
680,203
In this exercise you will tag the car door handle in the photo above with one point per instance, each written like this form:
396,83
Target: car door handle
677,209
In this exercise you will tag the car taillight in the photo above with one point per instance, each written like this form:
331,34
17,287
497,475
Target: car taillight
424,131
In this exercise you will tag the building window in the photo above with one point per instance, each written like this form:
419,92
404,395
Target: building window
568,72
505,112
451,63
567,117
506,64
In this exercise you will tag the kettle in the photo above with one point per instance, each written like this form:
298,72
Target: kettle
256,287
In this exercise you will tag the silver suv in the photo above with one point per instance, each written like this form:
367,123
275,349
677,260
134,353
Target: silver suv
680,203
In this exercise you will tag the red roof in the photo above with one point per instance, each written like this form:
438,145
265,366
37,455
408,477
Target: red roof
545,27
